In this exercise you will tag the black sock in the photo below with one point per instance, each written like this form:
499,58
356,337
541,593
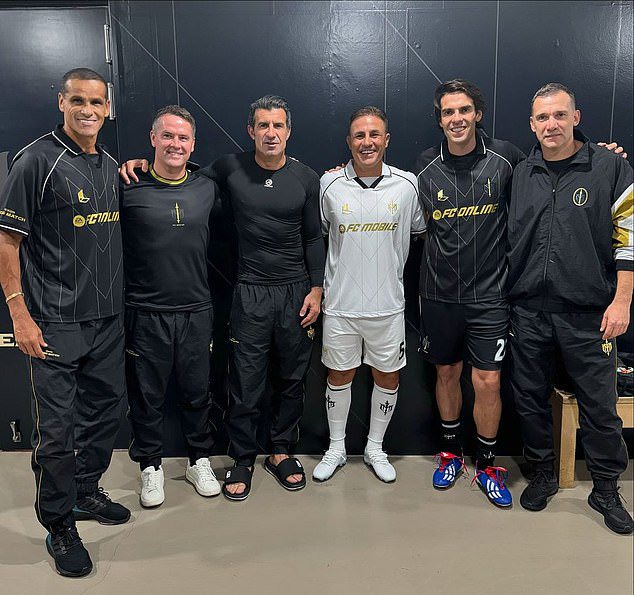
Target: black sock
485,452
451,436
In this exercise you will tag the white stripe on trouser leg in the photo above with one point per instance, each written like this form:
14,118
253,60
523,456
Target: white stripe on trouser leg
337,407
381,411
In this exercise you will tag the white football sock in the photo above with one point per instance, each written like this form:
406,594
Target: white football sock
337,407
381,411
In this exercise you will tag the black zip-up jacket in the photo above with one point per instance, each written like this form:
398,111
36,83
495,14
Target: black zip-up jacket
567,241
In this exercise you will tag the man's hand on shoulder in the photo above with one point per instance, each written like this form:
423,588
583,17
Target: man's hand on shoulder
126,171
336,168
615,148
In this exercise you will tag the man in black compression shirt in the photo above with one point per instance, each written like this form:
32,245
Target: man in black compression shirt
59,220
274,203
463,185
168,319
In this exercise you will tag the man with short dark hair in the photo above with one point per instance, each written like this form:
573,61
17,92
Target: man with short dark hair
464,188
59,233
368,210
570,285
168,319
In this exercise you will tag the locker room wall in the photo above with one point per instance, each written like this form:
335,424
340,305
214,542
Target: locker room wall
328,58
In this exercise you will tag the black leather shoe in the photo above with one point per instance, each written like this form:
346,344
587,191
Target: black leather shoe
98,506
543,485
610,506
70,555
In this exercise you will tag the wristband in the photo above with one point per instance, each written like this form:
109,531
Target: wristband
14,295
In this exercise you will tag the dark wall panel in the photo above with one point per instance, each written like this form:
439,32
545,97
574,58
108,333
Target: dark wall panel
329,58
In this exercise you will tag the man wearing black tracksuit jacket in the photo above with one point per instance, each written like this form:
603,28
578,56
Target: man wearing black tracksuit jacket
570,285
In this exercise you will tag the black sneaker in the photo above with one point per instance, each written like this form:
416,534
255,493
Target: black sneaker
543,485
70,555
610,506
98,506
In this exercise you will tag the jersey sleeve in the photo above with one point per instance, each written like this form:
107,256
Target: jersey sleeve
314,249
19,196
418,225
623,217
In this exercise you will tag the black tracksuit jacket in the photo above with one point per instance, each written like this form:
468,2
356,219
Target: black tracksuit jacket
568,239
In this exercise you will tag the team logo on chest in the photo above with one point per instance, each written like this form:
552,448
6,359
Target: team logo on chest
489,187
392,207
81,197
268,183
580,197
441,196
345,209
178,214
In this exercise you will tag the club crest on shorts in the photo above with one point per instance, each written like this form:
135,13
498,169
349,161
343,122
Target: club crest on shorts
268,183
424,344
386,407
310,332
580,197
607,347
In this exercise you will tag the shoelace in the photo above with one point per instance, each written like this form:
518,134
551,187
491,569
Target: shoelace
205,471
541,477
612,499
152,480
442,459
377,456
331,457
499,474
65,539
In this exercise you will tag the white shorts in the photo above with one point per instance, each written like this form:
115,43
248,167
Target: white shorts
378,342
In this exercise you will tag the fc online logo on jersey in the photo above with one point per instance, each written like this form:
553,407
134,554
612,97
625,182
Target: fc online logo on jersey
441,196
81,197
104,217
580,197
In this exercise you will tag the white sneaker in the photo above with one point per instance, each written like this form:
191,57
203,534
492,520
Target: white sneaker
377,459
152,481
202,477
328,464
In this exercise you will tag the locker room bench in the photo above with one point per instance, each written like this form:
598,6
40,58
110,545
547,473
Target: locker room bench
565,425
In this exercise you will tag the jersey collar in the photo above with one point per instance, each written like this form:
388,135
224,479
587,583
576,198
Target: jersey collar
445,155
63,139
166,180
536,158
350,174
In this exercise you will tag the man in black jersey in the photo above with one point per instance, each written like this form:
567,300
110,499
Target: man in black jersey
463,185
168,319
274,203
59,234
570,285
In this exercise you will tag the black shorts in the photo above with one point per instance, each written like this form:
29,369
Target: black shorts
477,333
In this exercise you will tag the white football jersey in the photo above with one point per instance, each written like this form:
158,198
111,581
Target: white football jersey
368,231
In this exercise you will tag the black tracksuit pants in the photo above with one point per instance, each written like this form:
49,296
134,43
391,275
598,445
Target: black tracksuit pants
77,394
266,342
157,344
591,364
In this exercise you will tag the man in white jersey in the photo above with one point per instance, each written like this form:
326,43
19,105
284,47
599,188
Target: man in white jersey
368,210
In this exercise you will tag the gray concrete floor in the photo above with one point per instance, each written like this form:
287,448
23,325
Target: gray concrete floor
351,535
